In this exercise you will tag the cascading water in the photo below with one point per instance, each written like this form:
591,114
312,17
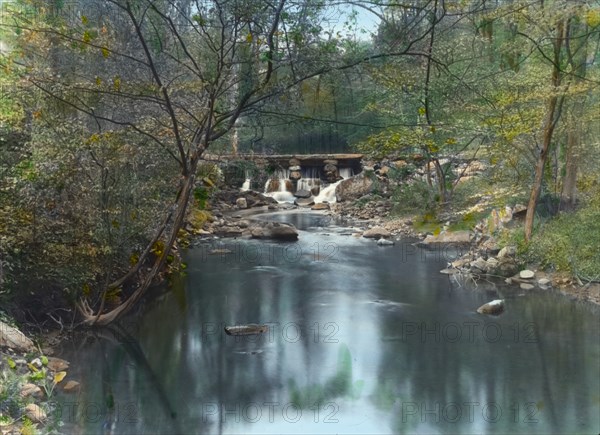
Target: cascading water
328,193
346,172
246,185
281,192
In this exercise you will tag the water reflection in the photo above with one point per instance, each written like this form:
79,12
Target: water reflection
362,339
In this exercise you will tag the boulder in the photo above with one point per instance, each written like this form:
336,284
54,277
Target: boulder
376,233
13,338
385,242
35,413
543,282
71,386
320,206
241,203
57,364
526,286
295,175
250,329
479,264
31,390
275,231
304,202
294,162
493,308
354,187
447,237
526,274
303,194
507,251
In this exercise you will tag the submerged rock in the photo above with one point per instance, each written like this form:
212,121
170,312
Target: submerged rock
276,231
493,308
385,242
376,233
250,329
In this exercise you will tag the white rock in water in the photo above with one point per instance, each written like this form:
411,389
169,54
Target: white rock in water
525,286
526,274
384,242
494,307
544,281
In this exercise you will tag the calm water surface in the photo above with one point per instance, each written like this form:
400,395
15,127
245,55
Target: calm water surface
363,339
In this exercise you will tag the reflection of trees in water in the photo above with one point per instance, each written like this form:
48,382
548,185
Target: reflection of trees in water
546,369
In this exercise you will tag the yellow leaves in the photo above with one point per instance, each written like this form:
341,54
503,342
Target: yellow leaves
158,248
422,111
133,258
84,20
592,17
117,83
86,289
249,37
58,377
105,52
94,138
87,37
98,81
451,141
37,114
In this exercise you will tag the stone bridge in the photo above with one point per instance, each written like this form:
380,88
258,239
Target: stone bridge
326,167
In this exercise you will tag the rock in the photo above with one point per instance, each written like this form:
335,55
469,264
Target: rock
276,231
35,413
526,286
303,194
384,242
31,390
506,267
526,274
57,364
480,264
492,262
449,271
507,251
36,362
241,203
304,202
519,210
14,339
494,308
320,206
71,386
250,329
229,231
447,237
353,187
272,207
294,162
295,175
376,233
330,162
457,264
543,282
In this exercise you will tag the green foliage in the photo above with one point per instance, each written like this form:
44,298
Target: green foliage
412,198
570,243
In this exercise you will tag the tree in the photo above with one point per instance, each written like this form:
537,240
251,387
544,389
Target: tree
175,74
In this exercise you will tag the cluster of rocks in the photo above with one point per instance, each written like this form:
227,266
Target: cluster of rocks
366,208
29,381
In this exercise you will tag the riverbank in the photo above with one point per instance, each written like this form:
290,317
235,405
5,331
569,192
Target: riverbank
372,217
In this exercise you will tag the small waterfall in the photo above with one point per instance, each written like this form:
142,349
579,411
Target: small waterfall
346,172
247,183
280,193
327,194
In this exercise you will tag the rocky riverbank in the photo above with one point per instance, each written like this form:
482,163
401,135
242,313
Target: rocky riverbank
31,377
480,253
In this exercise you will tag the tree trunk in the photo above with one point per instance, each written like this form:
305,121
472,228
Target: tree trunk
568,194
180,206
552,116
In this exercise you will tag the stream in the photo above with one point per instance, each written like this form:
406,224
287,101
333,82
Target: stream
362,339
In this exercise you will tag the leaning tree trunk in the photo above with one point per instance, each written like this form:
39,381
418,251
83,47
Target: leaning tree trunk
180,208
552,115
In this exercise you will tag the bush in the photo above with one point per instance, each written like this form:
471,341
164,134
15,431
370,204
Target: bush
570,242
415,197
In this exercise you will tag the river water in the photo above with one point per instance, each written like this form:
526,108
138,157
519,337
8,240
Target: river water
362,339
